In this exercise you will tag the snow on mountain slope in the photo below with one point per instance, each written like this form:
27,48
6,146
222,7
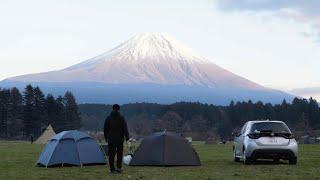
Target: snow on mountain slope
147,58
152,46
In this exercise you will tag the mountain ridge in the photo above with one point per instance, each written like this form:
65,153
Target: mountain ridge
146,58
152,58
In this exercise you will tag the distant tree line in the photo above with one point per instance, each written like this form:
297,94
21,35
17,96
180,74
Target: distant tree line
204,121
28,114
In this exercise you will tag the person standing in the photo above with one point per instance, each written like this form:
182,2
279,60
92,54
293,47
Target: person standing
115,132
31,139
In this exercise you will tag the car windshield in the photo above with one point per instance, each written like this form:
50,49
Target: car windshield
275,127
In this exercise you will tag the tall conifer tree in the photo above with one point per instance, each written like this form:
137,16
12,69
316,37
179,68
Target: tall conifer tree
72,115
28,111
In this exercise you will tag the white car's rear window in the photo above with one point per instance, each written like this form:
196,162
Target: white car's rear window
275,127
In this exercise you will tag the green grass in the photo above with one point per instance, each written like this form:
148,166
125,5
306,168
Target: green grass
17,161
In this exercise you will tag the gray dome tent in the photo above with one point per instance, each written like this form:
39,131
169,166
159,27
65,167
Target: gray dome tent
71,148
165,149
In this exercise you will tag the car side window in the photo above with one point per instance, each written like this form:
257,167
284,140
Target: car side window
243,130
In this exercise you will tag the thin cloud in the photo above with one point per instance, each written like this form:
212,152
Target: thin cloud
310,7
302,11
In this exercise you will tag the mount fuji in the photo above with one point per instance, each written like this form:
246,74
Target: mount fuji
151,67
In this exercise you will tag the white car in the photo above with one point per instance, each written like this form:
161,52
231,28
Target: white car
265,140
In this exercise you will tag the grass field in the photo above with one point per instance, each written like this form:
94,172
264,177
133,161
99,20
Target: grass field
17,161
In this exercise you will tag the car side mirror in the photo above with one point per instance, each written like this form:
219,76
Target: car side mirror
235,134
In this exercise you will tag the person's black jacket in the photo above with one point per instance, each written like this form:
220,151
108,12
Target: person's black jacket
115,128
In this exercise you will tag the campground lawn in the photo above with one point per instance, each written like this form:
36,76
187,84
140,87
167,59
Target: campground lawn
17,161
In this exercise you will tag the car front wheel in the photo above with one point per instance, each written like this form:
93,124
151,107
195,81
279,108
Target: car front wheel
247,160
235,158
293,160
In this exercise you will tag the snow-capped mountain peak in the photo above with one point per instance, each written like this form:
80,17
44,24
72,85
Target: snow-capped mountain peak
155,45
154,58
146,46
150,67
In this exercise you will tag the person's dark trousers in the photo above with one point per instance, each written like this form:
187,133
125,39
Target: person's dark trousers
113,150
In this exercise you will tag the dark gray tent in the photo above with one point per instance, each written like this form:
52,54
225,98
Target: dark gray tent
71,148
165,149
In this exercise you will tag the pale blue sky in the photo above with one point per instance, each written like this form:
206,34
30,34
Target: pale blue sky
272,42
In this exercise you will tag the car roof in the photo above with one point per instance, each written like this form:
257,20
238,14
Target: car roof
259,121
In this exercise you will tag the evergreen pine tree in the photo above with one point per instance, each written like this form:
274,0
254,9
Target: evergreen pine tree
51,109
313,113
4,115
72,115
40,115
28,111
58,120
15,111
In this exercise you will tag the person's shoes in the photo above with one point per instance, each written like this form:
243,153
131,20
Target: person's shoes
119,171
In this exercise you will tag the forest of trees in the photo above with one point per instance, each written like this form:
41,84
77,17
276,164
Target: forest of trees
203,121
27,114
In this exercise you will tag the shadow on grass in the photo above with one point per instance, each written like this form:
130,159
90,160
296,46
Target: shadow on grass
72,165
266,162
